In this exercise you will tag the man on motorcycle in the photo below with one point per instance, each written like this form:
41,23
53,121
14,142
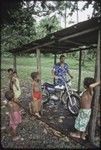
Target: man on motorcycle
61,69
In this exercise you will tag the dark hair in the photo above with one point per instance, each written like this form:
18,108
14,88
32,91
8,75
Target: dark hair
88,81
34,75
9,95
62,56
14,72
10,69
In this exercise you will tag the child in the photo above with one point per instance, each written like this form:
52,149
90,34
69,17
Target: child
36,93
14,114
83,118
16,86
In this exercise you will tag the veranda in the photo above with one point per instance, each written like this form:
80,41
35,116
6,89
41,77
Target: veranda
79,37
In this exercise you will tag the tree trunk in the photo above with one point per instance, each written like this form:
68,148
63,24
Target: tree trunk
95,102
39,61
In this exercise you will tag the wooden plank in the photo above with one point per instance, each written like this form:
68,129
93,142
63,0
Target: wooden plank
38,61
76,43
14,62
45,50
95,102
78,34
62,39
55,57
39,46
79,76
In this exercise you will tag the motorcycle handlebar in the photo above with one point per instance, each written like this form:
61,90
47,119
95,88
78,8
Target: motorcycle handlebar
63,79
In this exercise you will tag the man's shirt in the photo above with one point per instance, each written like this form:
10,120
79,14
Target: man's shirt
61,71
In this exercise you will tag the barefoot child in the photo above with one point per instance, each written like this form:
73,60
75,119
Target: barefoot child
83,118
16,86
36,93
14,114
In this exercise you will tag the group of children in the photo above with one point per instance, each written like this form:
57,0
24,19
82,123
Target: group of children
12,96
14,93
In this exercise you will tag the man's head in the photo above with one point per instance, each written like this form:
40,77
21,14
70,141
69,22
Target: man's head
88,81
62,59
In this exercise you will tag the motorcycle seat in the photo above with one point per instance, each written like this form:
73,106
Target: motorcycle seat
49,85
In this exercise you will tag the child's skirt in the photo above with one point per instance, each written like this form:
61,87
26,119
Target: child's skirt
15,119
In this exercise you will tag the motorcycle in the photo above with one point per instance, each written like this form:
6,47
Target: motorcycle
65,94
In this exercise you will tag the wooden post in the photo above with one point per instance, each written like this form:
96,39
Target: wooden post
79,76
95,102
14,62
38,53
55,57
38,61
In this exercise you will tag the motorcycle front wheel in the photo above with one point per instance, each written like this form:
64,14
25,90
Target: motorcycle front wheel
73,105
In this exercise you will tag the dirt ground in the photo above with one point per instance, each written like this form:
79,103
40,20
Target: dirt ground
42,133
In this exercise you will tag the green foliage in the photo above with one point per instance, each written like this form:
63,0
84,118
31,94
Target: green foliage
25,29
19,20
47,26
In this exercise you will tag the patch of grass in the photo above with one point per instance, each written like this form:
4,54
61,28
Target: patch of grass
26,65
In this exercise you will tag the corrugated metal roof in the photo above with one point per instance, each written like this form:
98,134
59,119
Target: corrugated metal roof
83,34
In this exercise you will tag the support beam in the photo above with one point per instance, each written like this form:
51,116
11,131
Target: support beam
39,70
55,57
79,76
78,34
14,62
95,102
39,62
60,39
